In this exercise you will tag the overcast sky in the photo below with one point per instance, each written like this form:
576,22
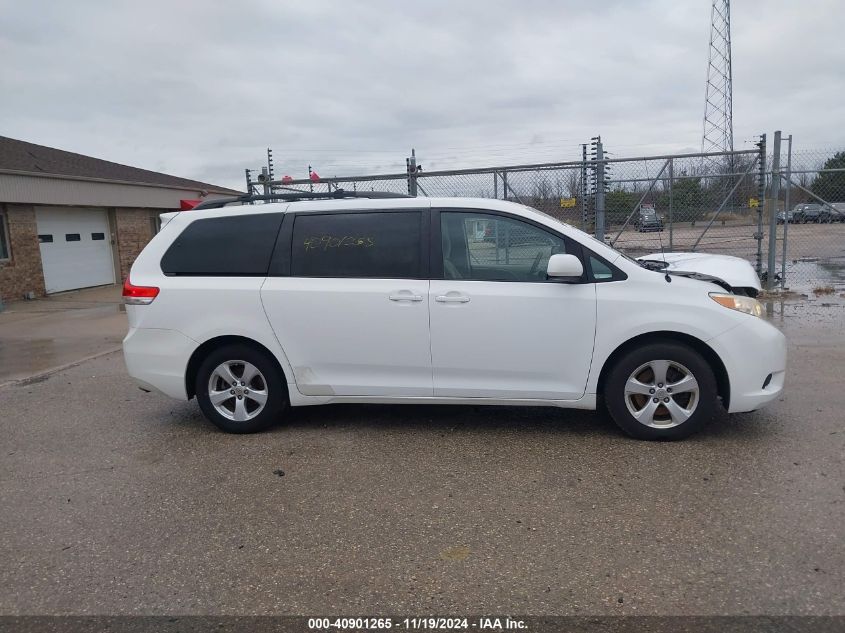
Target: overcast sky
201,89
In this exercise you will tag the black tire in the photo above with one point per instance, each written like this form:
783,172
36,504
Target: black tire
269,376
707,403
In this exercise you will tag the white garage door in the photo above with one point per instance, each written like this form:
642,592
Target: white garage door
75,248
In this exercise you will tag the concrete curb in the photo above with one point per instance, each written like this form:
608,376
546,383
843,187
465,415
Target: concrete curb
43,375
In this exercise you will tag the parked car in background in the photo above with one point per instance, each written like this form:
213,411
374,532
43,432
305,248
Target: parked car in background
810,213
648,220
836,210
368,298
785,216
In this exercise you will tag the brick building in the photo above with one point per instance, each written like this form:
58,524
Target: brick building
69,221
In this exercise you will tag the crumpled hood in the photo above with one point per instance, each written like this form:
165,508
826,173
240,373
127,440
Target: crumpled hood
734,271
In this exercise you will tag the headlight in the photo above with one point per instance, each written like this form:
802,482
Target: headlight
737,302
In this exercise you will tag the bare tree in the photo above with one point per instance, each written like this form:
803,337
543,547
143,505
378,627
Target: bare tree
573,183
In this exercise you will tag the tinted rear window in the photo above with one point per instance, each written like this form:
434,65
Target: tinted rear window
385,245
239,245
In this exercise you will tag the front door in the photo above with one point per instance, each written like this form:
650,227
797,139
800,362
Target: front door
352,316
499,328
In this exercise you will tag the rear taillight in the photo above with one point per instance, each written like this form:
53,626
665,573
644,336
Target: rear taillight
138,295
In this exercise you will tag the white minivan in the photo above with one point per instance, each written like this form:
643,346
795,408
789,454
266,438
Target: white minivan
309,299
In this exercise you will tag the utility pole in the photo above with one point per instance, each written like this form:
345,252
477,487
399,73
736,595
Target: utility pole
718,135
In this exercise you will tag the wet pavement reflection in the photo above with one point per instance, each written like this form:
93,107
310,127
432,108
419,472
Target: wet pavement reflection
39,336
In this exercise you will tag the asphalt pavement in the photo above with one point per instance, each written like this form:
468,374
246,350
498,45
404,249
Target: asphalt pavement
120,502
50,333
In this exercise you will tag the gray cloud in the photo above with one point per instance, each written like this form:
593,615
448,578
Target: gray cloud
200,90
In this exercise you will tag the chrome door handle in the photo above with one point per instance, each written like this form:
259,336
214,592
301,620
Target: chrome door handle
401,297
451,299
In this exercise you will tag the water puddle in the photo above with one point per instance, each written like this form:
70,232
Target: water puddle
807,274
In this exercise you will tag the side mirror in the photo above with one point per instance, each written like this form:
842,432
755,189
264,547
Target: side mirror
564,268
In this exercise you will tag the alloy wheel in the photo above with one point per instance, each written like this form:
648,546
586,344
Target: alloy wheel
661,394
237,390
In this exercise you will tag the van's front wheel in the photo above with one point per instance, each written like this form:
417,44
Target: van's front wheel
240,389
661,391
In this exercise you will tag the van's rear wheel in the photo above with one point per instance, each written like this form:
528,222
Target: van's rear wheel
661,391
240,389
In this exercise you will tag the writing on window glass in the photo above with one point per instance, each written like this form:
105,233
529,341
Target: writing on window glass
325,242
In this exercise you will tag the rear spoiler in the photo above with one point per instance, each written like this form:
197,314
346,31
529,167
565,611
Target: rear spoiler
166,217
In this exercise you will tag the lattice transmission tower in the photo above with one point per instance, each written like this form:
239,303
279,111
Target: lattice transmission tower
718,99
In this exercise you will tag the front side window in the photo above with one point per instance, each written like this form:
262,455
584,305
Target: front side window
487,247
378,245
601,271
238,245
4,237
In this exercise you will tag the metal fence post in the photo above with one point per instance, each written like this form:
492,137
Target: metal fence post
773,227
248,181
786,209
584,187
599,191
495,185
761,202
504,185
671,216
411,165
264,177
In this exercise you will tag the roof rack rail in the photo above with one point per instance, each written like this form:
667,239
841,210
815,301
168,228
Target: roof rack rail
337,194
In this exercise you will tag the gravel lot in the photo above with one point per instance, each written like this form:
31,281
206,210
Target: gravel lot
120,502
822,241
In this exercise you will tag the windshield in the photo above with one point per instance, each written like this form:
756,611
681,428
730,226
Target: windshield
583,234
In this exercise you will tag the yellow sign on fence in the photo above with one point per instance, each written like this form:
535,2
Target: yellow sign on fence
753,202
567,203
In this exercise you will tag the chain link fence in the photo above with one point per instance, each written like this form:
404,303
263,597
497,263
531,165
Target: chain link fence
719,203
687,203
810,217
